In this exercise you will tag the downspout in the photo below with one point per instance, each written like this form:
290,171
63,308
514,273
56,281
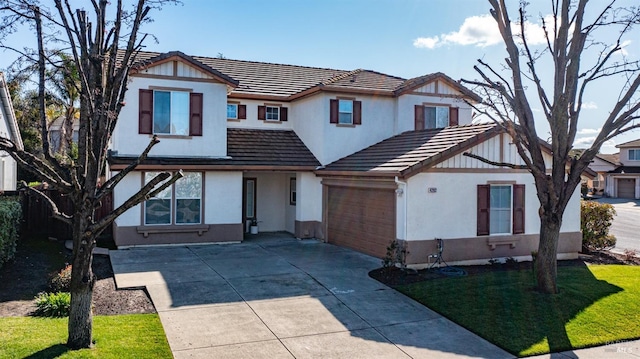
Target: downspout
403,192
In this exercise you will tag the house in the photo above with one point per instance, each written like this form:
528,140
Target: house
8,129
623,180
356,158
598,171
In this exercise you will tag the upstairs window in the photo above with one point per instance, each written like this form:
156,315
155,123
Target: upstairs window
345,112
429,117
634,155
272,113
236,111
167,112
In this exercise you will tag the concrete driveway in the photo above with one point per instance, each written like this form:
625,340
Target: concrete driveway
625,224
279,297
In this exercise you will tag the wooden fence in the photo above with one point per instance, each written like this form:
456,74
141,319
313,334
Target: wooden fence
36,214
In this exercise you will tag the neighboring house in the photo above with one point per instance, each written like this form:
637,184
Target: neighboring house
8,129
356,158
55,131
601,165
623,180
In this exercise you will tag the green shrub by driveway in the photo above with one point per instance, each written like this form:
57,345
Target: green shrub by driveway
596,305
10,215
116,336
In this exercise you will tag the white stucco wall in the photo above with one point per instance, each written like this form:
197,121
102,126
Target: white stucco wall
306,116
223,197
600,166
624,157
451,212
309,201
213,142
252,115
123,191
272,191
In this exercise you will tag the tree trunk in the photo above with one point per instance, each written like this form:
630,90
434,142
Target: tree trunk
546,262
82,282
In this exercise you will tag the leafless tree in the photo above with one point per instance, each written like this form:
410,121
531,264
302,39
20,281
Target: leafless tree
582,55
102,50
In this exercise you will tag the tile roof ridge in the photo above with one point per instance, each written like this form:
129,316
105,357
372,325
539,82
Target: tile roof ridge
339,77
266,63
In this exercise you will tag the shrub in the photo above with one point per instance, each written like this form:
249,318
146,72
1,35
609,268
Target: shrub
396,255
10,216
53,304
596,218
61,281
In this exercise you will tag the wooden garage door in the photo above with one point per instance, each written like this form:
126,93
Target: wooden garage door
361,218
626,187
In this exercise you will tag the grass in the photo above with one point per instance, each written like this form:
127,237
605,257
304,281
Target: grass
596,305
117,336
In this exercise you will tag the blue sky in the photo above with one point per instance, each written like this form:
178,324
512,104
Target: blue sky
406,38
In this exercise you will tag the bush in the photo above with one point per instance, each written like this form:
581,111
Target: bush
53,304
596,218
61,281
10,216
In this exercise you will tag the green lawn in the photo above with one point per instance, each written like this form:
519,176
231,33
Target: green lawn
596,305
117,336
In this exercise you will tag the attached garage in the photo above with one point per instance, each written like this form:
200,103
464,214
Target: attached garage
626,187
361,218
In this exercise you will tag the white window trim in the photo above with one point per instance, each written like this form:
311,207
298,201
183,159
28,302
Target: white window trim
234,105
341,112
491,186
173,204
637,154
266,113
171,121
436,124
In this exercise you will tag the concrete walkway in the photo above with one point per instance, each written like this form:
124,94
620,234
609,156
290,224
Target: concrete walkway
283,298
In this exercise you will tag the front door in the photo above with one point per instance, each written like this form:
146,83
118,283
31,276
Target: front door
249,196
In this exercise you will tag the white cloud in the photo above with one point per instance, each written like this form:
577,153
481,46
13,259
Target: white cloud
481,31
585,142
590,105
426,42
623,51
589,131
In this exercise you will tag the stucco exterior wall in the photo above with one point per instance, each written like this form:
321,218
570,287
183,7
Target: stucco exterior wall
9,173
306,117
223,197
213,142
270,203
624,157
406,111
252,115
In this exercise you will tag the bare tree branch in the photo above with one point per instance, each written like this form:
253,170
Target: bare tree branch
497,164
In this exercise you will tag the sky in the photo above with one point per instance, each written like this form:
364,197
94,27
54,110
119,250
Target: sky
405,38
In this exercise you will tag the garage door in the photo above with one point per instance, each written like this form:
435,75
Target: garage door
361,218
626,187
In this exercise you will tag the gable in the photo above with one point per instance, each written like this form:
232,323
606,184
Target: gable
437,88
496,149
176,68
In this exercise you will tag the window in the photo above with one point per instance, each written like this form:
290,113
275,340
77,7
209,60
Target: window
232,111
292,191
345,112
634,155
432,117
273,113
171,112
180,203
500,209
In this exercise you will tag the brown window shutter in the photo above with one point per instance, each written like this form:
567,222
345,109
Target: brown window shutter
242,112
145,111
419,117
195,109
333,111
357,112
453,116
284,113
262,112
518,208
484,200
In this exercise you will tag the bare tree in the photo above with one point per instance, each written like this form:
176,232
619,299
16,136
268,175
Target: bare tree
570,36
102,50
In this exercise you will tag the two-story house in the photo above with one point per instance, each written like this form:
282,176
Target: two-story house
356,158
8,129
623,176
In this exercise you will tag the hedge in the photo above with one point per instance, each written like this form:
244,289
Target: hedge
10,216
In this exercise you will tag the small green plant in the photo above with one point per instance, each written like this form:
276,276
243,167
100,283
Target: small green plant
61,281
53,304
396,255
596,218
494,262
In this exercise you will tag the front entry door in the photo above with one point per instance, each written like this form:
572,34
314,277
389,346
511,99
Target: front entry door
249,196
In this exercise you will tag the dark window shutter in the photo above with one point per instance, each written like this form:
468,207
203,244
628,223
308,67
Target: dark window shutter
262,112
333,111
518,208
195,109
145,111
419,117
357,112
242,112
484,200
453,116
284,113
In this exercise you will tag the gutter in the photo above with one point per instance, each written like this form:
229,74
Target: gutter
11,120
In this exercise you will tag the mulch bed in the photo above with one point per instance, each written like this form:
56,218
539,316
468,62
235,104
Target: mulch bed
27,274
394,276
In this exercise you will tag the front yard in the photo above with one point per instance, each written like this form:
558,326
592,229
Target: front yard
597,305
